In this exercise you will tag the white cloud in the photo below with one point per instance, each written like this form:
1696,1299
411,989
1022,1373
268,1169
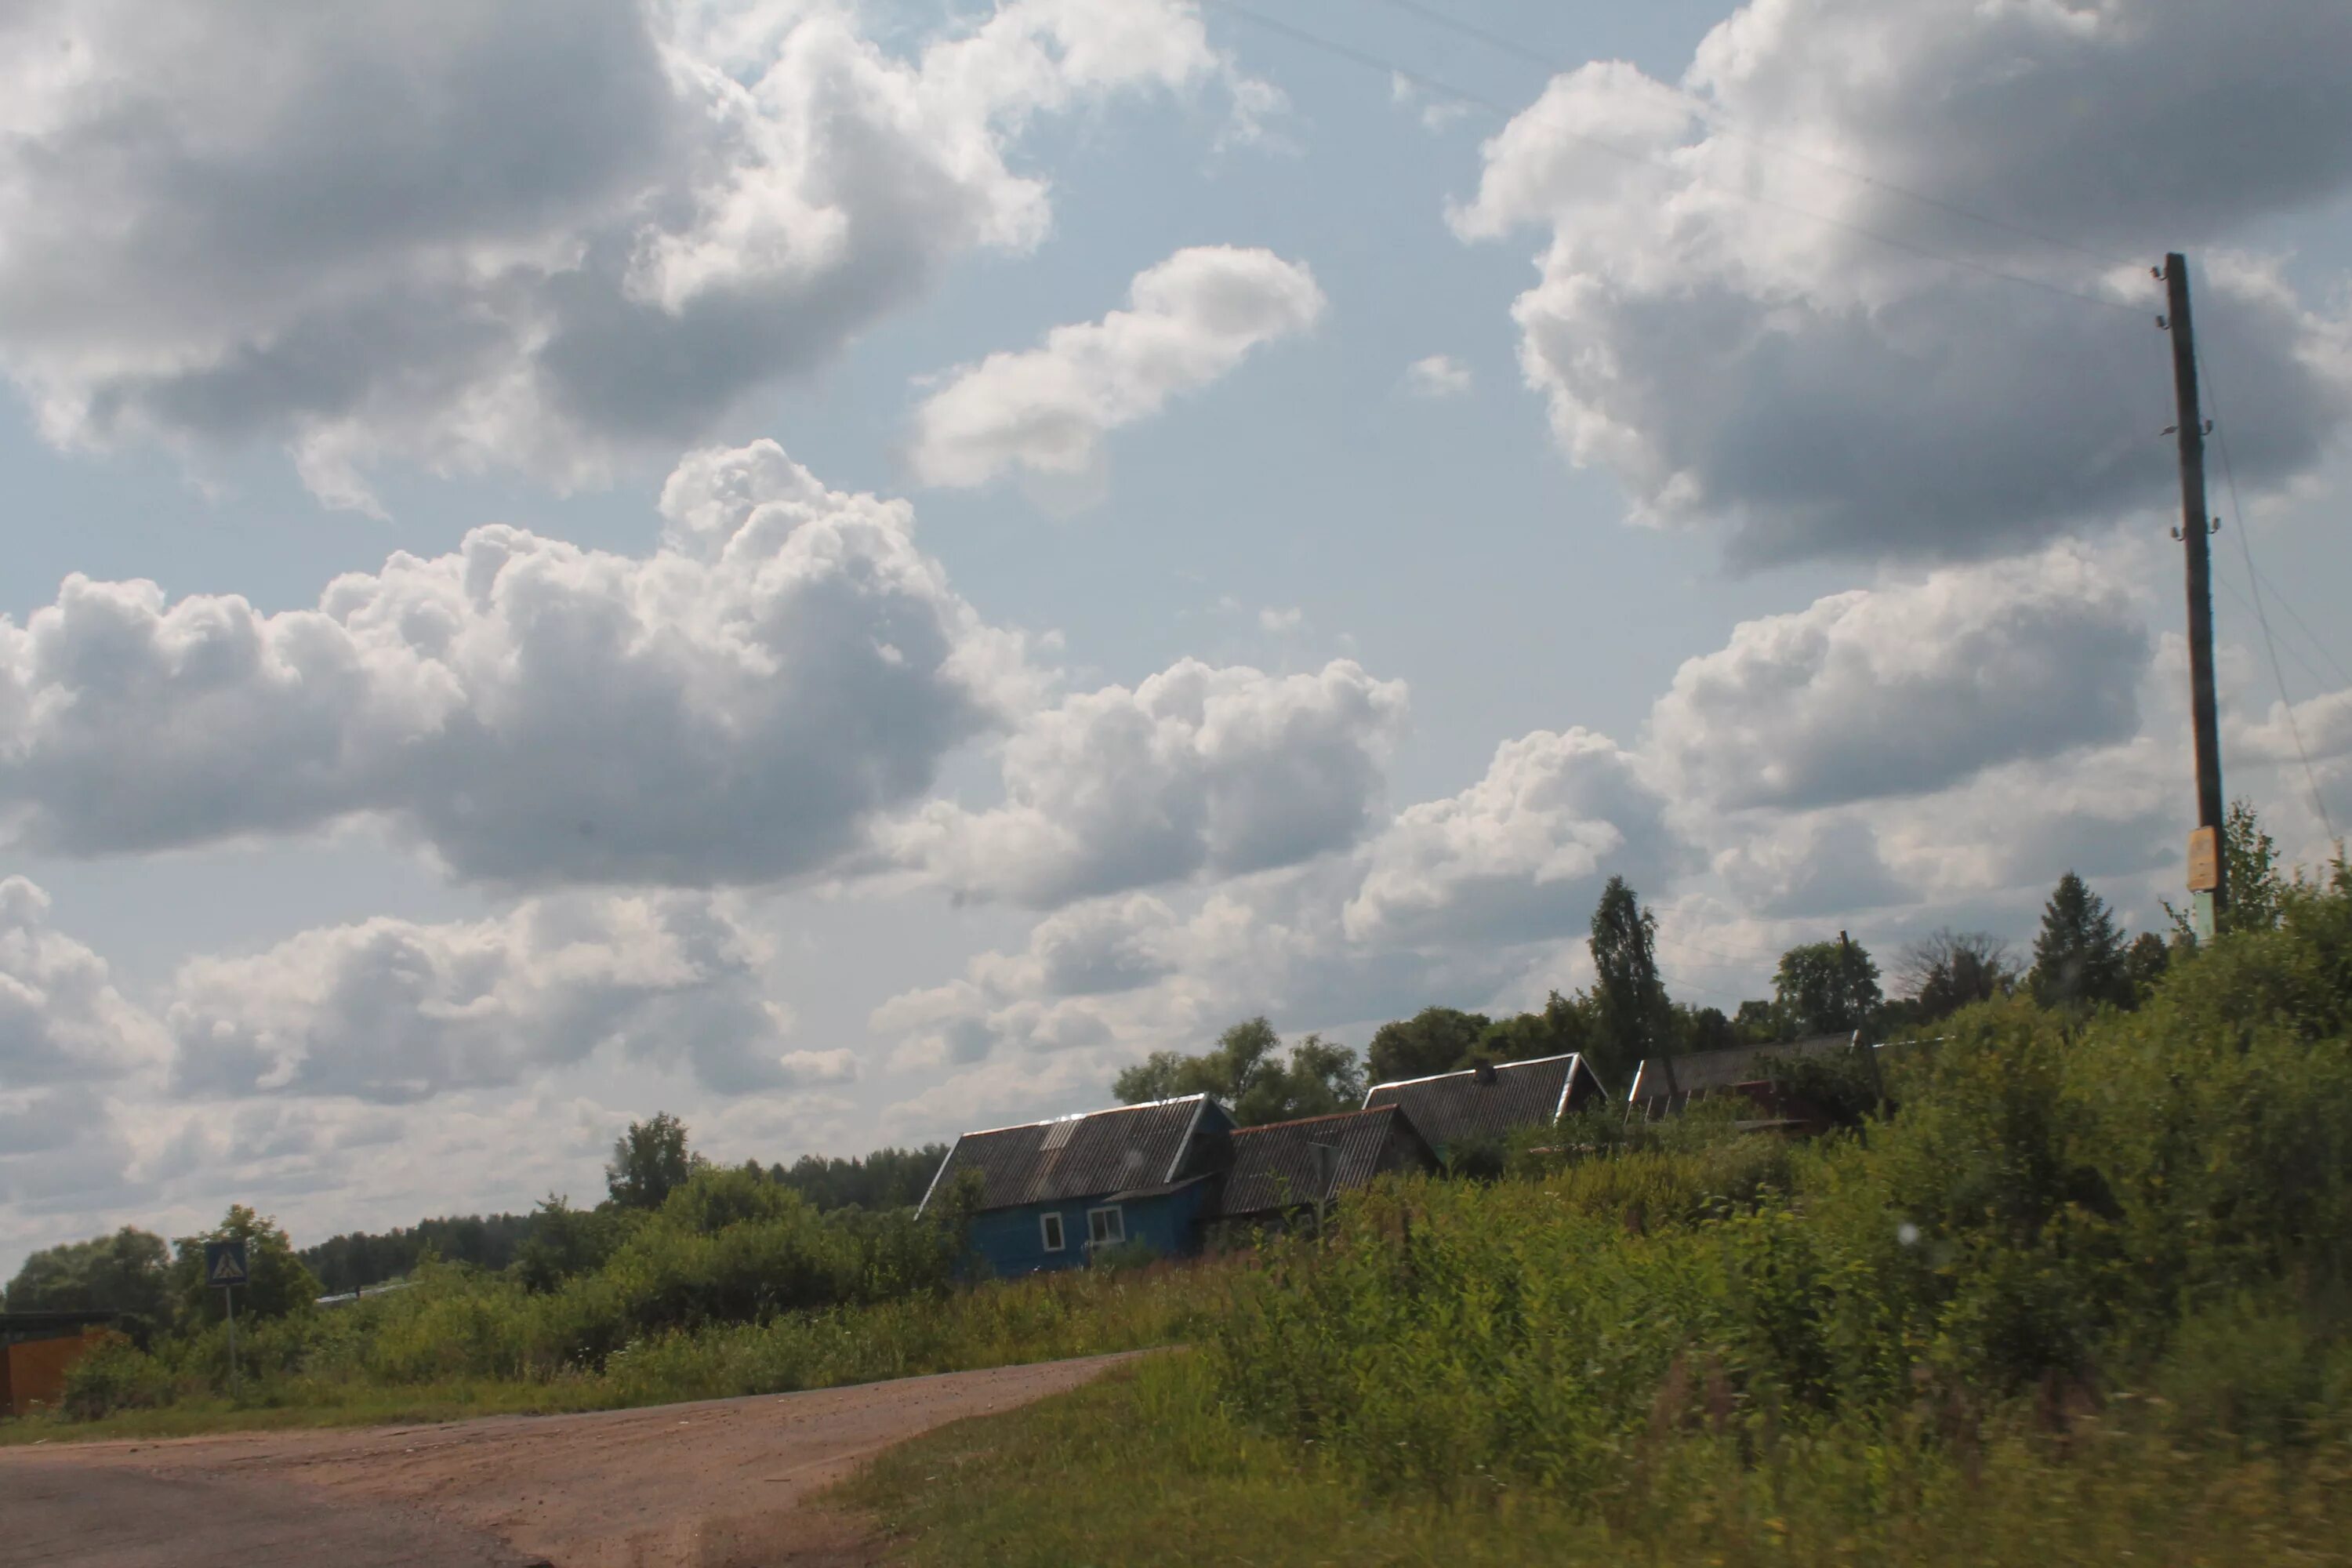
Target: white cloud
363,1075
1520,855
1278,620
1434,110
1815,393
61,1018
394,1011
1453,899
544,235
1193,318
1222,770
1439,375
734,707
1908,687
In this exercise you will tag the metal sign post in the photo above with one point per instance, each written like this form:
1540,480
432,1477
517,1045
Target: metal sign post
224,1268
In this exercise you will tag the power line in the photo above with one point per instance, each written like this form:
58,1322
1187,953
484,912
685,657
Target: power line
1447,89
2319,680
2262,618
1718,121
2283,602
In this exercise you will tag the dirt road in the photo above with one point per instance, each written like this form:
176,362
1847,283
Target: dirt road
718,1484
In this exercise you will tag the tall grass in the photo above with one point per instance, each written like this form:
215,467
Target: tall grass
2059,1214
735,1286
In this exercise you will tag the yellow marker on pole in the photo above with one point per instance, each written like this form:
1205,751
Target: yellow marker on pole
2204,876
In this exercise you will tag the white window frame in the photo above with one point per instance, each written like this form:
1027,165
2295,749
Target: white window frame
1051,1232
1117,1224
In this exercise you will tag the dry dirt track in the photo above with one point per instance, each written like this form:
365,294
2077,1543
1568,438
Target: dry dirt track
713,1485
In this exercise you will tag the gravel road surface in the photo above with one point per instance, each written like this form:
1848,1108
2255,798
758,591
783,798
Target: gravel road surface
716,1484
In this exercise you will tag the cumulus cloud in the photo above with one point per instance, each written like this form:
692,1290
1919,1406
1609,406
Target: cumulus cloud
1191,320
1198,769
546,234
1439,375
1714,326
734,707
61,1018
394,1011
71,1045
1908,687
1450,900
1521,854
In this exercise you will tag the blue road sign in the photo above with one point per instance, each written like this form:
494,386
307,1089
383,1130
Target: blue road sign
225,1263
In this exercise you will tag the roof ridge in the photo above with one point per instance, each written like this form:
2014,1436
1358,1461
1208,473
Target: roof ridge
1466,1072
1321,1116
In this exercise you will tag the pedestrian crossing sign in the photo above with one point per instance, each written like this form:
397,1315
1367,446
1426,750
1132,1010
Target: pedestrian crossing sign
225,1263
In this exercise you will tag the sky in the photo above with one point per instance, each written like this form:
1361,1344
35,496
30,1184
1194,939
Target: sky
845,570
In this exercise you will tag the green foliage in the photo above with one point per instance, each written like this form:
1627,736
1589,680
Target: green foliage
279,1285
2144,963
463,1342
648,1162
2056,1207
130,1271
2256,890
1564,1024
1826,988
1948,970
884,1179
1194,1483
349,1262
2078,957
564,1241
1433,1040
1630,999
1244,1073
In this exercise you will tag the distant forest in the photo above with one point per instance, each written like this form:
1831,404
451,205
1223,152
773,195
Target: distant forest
887,1178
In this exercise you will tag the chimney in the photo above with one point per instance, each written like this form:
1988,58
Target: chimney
1483,1073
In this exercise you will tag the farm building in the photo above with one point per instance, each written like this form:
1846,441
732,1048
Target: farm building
1488,1103
1663,1087
36,1348
1285,1166
1052,1193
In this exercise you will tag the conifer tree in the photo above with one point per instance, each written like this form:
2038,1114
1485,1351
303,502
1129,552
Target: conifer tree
2078,956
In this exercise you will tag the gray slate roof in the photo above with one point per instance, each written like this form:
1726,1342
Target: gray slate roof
1457,1106
1701,1073
1274,1166
1130,1148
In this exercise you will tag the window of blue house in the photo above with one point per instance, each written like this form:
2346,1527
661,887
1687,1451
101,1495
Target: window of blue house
1052,1226
1106,1227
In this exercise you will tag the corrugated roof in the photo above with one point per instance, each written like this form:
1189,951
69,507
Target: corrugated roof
1275,1166
1707,1072
1457,1107
1132,1146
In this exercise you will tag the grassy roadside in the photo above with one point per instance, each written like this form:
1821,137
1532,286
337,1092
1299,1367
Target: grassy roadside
1044,1317
1145,1468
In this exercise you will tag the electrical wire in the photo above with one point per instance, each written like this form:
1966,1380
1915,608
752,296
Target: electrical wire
2247,605
1718,121
2283,602
2261,617
1447,89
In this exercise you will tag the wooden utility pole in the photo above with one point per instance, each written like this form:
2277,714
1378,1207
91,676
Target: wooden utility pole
2196,536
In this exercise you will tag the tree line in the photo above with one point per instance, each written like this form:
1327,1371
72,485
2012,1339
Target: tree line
2080,960
157,1284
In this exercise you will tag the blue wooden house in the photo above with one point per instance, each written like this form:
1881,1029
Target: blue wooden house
1054,1193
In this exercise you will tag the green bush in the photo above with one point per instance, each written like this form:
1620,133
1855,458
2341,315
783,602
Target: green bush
2057,1210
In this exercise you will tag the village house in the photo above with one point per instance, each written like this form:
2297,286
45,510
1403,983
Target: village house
1053,1193
1666,1087
1488,1103
1285,1167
